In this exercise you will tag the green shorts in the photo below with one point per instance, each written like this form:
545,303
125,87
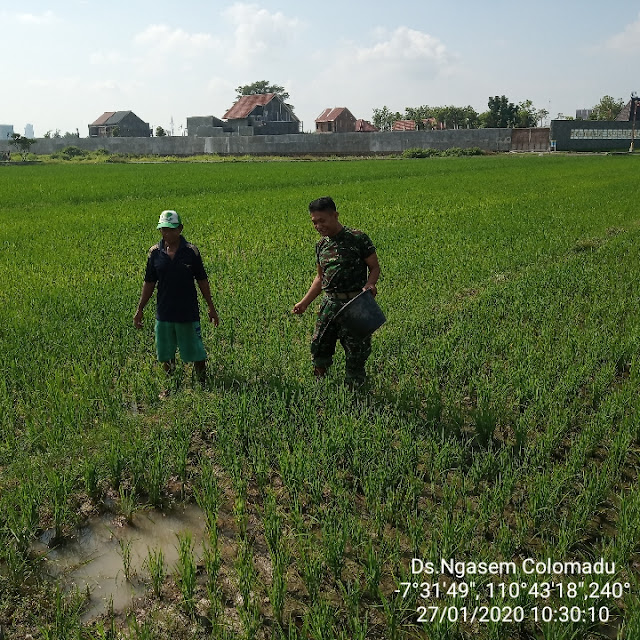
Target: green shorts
183,335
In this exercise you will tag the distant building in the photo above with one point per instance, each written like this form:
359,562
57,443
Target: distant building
411,125
336,120
262,114
6,131
365,126
626,114
119,124
583,114
206,126
28,131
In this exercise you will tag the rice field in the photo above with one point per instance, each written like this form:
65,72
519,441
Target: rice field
484,486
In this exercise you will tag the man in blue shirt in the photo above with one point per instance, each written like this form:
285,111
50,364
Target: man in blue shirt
176,265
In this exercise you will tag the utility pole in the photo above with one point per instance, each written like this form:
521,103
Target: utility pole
633,106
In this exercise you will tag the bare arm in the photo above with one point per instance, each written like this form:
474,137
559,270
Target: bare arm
374,273
145,296
314,291
206,294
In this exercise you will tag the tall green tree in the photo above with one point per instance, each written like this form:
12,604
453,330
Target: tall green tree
260,87
607,109
384,118
502,113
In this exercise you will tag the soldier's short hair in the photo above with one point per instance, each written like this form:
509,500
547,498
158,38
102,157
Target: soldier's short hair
322,204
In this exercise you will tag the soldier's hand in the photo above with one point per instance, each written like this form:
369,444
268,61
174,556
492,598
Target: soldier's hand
372,288
299,308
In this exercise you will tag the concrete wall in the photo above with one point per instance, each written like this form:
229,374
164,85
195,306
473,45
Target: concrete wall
590,135
292,144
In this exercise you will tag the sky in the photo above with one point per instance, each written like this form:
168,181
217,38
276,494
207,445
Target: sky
65,63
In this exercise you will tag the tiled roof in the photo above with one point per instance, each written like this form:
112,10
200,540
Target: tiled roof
246,104
330,115
110,118
103,118
365,125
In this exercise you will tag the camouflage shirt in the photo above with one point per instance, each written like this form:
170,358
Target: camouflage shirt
342,258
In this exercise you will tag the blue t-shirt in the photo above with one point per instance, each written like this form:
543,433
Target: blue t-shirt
177,295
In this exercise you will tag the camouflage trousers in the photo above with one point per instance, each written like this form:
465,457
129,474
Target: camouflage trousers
328,332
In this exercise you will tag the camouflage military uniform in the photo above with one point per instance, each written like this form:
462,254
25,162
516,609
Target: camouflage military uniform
342,258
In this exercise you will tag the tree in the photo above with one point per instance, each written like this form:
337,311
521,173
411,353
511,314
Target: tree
160,132
527,116
260,87
384,118
502,113
419,115
607,109
541,115
22,144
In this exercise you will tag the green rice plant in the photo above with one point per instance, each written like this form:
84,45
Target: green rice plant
124,551
157,571
484,423
241,515
212,563
140,631
319,621
156,471
334,538
22,514
128,505
186,571
273,522
91,479
249,611
180,445
312,569
66,616
372,569
60,484
208,494
115,463
277,591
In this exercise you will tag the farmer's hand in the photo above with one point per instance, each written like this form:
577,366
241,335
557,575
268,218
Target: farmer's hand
213,316
299,308
372,288
137,319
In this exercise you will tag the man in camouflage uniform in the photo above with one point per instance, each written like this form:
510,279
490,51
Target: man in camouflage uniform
347,264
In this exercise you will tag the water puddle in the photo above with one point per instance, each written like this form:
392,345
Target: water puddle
94,557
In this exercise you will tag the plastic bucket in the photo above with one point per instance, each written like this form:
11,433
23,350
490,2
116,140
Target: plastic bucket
361,316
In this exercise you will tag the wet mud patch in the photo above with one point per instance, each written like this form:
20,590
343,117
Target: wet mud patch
107,557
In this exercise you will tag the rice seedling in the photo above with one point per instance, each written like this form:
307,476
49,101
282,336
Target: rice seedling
124,550
157,571
186,571
249,611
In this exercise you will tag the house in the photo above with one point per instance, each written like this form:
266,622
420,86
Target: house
626,114
119,124
262,114
206,126
336,120
365,126
411,125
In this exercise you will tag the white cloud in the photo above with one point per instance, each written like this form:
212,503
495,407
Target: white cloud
108,58
405,45
259,34
160,39
626,41
48,17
